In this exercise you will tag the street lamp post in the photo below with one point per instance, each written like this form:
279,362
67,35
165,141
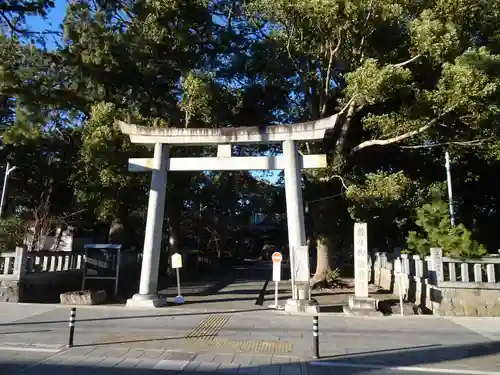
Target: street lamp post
450,190
8,171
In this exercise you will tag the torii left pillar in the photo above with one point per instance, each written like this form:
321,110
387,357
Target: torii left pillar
148,287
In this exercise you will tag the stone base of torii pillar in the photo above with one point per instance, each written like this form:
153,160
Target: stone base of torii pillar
142,301
294,306
302,301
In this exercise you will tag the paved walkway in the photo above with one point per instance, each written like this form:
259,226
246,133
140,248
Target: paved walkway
104,361
247,339
250,289
233,331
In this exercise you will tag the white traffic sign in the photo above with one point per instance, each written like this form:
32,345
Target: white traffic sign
177,260
276,258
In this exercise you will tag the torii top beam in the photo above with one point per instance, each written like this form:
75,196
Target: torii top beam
305,131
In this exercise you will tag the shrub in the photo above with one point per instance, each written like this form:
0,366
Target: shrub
333,278
12,231
436,231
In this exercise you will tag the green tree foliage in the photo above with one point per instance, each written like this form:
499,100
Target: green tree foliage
103,184
12,232
39,190
379,191
36,138
407,79
435,231
400,73
384,201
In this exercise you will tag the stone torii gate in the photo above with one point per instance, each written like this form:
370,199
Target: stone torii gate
291,162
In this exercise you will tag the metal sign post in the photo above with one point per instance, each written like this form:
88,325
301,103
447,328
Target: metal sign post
399,278
277,258
177,264
8,171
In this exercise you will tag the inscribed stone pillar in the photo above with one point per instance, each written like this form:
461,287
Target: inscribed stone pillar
361,304
360,260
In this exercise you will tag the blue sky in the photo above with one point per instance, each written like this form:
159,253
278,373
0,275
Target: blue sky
53,22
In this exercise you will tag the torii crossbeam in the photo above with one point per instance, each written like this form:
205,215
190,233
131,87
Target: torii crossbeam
291,162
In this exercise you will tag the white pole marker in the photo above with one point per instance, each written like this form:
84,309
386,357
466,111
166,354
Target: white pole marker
276,258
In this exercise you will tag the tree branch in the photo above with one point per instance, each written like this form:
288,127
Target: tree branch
9,24
458,143
230,16
342,139
333,52
399,138
288,43
401,64
330,178
344,108
25,8
26,32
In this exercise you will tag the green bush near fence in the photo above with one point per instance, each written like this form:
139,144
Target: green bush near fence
12,231
435,231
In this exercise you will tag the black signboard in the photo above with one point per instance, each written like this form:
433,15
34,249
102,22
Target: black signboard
102,261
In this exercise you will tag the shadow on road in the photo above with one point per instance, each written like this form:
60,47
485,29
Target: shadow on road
240,275
463,359
134,317
31,331
458,359
117,342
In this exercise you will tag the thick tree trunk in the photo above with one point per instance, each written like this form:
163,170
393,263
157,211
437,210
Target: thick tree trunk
322,261
37,229
316,224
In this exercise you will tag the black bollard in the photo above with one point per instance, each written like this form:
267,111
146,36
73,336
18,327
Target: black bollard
72,318
315,337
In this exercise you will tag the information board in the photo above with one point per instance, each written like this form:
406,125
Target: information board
101,262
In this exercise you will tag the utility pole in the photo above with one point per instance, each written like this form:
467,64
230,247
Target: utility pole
8,170
450,191
199,230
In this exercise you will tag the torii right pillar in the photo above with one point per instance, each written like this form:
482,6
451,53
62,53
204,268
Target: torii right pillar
299,253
